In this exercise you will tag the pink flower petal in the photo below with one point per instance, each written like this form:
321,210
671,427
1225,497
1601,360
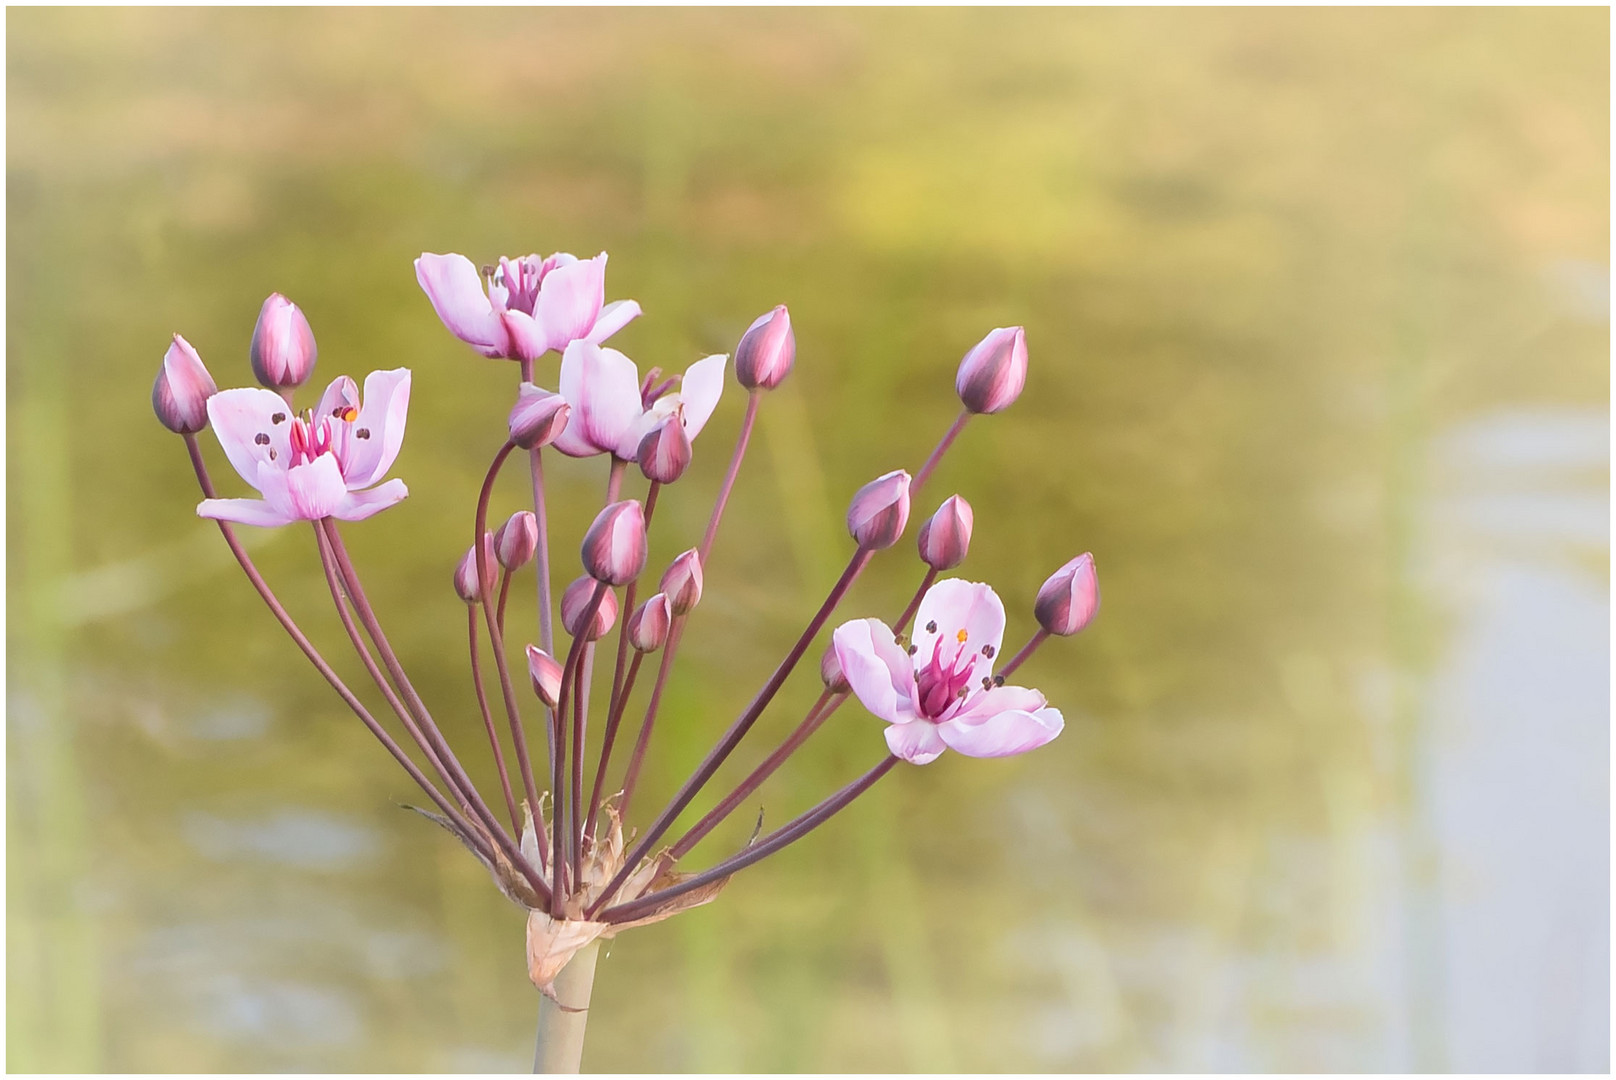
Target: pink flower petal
700,389
243,512
526,339
613,317
239,417
987,703
382,418
570,300
603,388
953,605
1002,734
313,490
917,742
359,505
455,288
343,393
877,669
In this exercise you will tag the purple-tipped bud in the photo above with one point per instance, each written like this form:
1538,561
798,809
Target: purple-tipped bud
664,453
282,350
880,511
576,599
1068,600
180,395
537,417
767,350
945,537
466,583
681,582
614,547
830,671
992,374
517,540
545,673
648,626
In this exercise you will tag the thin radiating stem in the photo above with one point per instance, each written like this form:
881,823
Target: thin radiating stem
631,777
488,721
734,470
541,559
794,830
937,453
613,717
1025,651
737,730
568,670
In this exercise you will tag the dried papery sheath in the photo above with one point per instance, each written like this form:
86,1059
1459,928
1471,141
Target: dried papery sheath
517,540
467,585
681,582
879,511
992,374
537,417
614,548
767,351
1068,601
283,350
648,626
576,598
945,537
545,674
181,391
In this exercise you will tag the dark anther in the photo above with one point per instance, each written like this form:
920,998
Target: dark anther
278,418
998,680
986,682
272,454
362,433
261,439
931,627
913,649
987,651
488,271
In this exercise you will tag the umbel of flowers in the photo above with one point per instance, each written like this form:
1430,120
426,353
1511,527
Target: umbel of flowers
553,835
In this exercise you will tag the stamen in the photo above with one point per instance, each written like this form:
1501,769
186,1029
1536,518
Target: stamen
261,439
913,649
362,433
272,453
962,637
988,651
998,680
278,418
345,412
986,682
931,627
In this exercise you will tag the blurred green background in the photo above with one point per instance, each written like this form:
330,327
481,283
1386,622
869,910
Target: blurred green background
1317,305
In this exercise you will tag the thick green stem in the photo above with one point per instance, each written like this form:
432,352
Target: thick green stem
560,1046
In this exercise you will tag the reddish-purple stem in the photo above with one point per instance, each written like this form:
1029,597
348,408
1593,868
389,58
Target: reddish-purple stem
631,777
1025,651
541,561
614,716
559,801
488,721
937,453
733,471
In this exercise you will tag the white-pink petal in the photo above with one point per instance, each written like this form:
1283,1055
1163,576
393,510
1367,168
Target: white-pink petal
877,669
613,317
239,417
953,605
603,388
699,390
359,505
455,288
244,512
1002,734
917,742
570,300
382,417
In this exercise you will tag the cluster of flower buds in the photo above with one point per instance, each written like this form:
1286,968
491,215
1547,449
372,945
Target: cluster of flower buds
934,674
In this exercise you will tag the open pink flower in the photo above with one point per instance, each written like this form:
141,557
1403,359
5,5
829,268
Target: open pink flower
941,693
612,411
316,465
531,306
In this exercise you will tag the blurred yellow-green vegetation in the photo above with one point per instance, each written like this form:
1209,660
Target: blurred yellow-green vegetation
1265,258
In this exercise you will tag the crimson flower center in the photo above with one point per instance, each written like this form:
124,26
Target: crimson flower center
946,677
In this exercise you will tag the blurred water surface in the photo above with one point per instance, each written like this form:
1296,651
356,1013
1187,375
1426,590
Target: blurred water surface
1317,305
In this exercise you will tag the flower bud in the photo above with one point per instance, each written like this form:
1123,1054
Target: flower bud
648,626
517,540
681,582
466,583
664,453
830,671
945,537
1068,600
537,417
614,547
767,350
283,349
879,511
545,673
576,599
992,374
180,395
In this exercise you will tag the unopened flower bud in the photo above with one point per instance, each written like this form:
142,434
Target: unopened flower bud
830,671
681,582
537,417
1068,600
517,540
664,453
879,511
545,673
180,395
648,626
466,583
992,374
576,598
283,349
614,547
767,350
945,537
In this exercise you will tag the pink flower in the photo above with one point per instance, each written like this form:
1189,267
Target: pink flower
283,349
612,411
316,465
993,373
531,306
940,693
